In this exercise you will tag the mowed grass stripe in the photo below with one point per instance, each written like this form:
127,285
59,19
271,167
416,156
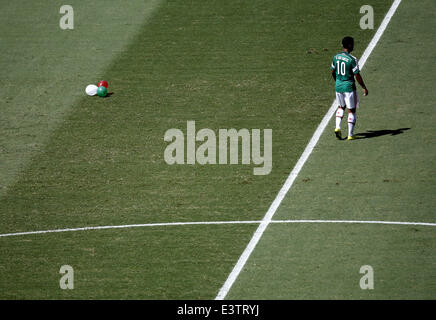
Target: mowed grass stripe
323,261
232,64
385,174
45,69
148,263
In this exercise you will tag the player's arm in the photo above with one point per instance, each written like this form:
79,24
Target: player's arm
359,79
356,71
333,69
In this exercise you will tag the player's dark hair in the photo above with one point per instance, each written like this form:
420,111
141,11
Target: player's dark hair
347,42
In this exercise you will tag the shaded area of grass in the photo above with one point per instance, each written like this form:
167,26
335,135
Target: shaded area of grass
45,69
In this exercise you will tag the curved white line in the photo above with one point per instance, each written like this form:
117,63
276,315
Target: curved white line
165,224
126,226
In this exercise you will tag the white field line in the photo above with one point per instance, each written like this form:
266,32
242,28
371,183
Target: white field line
126,226
296,170
405,223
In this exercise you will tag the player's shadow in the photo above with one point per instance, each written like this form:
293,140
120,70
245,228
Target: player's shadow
378,133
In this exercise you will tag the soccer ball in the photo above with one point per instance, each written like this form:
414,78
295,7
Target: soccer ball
91,90
103,83
102,91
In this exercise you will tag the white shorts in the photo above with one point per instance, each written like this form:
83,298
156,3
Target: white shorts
348,99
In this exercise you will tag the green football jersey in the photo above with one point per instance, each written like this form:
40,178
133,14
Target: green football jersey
346,66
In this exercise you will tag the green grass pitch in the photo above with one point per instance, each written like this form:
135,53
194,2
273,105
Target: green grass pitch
69,161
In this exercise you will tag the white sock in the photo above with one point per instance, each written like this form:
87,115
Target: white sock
339,115
338,122
351,123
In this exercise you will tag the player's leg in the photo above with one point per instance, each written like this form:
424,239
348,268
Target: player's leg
351,123
352,103
340,98
339,116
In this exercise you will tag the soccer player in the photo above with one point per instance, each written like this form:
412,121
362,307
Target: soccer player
344,69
